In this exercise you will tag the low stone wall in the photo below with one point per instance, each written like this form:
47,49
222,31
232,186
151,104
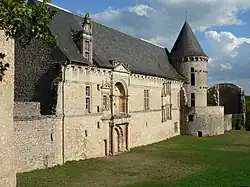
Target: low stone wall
26,109
228,122
207,120
37,142
215,120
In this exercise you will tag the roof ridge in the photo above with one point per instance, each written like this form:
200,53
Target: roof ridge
56,6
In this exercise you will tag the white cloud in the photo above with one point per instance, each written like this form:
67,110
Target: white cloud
164,18
231,58
160,21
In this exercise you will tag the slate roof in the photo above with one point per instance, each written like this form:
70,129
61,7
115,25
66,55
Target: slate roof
186,44
110,44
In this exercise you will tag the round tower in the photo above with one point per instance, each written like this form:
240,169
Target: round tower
189,60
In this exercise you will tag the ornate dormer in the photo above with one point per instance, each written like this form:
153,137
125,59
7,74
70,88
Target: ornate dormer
83,38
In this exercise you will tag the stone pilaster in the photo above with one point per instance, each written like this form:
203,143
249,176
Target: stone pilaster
7,171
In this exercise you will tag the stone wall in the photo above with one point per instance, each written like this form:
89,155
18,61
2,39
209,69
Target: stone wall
215,120
26,109
37,138
207,120
7,172
228,122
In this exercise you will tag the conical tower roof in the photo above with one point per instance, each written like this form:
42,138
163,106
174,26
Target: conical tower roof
186,44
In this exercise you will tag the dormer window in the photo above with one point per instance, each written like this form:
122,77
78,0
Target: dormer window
86,45
87,55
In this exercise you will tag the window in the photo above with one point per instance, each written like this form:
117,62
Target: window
175,127
105,105
191,118
166,88
86,133
169,113
98,125
146,100
192,77
86,45
192,99
88,105
166,113
178,100
87,55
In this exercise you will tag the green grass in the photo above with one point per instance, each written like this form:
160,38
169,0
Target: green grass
180,161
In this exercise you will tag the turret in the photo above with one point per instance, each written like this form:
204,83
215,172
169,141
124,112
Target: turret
189,59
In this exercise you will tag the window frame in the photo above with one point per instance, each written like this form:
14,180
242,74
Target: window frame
192,79
192,100
88,99
146,100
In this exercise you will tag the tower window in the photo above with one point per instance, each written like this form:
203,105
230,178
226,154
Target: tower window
88,96
192,99
192,77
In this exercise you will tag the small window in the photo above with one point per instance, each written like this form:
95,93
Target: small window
86,133
98,125
98,87
87,55
146,100
164,114
98,109
192,77
88,96
51,137
105,103
166,88
192,99
86,45
191,118
176,127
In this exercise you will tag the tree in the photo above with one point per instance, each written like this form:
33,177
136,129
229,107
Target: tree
25,21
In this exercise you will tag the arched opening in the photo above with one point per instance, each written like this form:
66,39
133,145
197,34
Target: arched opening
182,111
120,103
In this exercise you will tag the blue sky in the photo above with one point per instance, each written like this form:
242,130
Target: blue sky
221,26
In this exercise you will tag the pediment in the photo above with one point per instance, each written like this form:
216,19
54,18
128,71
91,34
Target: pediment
106,86
121,68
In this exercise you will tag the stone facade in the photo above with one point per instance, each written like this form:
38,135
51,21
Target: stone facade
86,107
7,172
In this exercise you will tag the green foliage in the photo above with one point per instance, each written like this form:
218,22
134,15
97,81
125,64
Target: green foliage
26,21
210,99
3,67
180,161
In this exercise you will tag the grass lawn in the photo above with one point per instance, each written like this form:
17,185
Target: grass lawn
181,161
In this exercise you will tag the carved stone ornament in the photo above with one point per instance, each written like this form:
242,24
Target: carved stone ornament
87,23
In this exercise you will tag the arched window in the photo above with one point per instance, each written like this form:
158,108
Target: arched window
120,98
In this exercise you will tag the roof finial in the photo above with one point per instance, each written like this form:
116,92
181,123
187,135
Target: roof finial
186,16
